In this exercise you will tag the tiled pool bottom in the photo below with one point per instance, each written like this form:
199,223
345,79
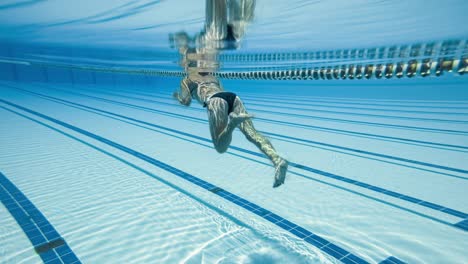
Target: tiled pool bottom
83,156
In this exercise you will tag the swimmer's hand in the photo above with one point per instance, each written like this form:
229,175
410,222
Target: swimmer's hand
237,119
175,95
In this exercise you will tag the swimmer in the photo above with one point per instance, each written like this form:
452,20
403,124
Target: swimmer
225,24
226,112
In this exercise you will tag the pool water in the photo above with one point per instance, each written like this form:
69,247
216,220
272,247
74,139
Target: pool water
99,164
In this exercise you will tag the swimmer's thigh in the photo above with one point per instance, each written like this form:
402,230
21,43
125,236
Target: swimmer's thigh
217,116
238,107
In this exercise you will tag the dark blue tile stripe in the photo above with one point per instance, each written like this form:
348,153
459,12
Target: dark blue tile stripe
335,251
462,224
386,192
313,110
282,136
371,153
347,121
367,135
355,121
437,130
352,259
392,260
332,130
367,109
434,130
312,102
332,249
299,166
306,141
298,101
43,236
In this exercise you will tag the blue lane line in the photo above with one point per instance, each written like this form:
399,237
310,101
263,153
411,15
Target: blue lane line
339,147
364,102
331,130
362,134
393,194
159,179
462,225
313,239
340,105
201,144
303,142
47,242
366,115
309,110
156,94
392,260
372,153
435,130
360,108
407,198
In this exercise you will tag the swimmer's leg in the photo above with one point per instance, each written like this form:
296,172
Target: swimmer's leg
247,127
216,19
221,124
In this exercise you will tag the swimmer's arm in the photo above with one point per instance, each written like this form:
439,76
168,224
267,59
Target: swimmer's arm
183,97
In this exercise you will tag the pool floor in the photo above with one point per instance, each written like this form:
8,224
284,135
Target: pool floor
125,174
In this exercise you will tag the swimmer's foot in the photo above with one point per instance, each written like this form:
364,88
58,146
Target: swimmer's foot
239,118
280,173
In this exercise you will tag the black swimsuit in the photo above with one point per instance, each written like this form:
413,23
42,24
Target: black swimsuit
228,97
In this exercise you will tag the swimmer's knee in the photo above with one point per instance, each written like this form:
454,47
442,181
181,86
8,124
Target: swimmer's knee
220,149
220,145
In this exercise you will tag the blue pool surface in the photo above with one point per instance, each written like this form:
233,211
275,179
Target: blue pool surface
100,164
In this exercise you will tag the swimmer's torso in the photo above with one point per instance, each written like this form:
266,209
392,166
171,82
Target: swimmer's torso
203,60
199,67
